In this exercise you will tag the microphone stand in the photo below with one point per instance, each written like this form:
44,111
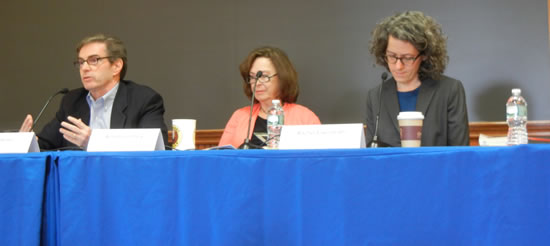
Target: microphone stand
246,144
374,142
62,91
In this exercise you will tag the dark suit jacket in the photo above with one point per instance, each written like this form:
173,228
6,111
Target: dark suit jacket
442,102
135,106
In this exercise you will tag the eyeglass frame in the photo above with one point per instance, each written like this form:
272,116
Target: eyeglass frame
80,62
408,60
264,76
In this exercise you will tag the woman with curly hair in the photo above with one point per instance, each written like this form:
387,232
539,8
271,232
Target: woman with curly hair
412,47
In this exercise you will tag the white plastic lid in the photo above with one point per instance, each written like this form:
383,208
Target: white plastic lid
275,101
410,115
516,91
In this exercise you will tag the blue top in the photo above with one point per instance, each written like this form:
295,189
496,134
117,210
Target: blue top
407,100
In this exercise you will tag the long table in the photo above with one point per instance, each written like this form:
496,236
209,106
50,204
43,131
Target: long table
397,196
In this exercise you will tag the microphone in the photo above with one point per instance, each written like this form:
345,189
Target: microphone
374,142
62,91
246,144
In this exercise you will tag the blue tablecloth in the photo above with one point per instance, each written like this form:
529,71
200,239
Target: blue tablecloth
22,180
417,196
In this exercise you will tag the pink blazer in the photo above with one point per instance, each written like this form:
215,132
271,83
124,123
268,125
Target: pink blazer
235,130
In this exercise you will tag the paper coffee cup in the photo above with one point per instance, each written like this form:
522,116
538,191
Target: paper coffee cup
410,128
183,134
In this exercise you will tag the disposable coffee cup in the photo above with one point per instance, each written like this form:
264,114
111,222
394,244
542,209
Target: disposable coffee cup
410,128
183,134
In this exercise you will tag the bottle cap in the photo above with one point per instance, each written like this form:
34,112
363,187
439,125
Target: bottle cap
275,101
516,91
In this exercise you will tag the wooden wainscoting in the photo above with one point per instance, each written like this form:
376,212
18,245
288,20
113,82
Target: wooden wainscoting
537,129
203,138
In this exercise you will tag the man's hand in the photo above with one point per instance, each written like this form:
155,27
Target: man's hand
76,132
27,124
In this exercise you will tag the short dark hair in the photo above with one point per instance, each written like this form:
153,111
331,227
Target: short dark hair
288,77
422,31
115,49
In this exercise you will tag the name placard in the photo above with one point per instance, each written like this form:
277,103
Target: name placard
485,140
142,139
18,142
327,136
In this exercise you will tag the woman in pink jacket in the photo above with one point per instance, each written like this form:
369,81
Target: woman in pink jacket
278,80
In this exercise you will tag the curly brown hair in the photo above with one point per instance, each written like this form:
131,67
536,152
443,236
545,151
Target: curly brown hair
422,31
288,77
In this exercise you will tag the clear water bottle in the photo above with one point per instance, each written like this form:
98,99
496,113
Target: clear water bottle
516,116
275,121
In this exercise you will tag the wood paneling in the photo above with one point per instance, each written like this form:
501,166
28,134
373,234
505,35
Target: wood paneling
210,138
204,138
500,128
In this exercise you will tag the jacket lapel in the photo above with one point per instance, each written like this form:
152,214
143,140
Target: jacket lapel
427,90
82,109
390,101
118,113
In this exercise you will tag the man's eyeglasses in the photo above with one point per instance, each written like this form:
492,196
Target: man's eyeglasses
92,61
406,60
263,79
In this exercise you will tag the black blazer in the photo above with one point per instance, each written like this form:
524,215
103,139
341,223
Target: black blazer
442,102
135,106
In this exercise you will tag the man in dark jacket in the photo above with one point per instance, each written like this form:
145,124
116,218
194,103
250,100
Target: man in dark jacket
105,101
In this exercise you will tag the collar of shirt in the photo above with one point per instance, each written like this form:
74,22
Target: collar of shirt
100,109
